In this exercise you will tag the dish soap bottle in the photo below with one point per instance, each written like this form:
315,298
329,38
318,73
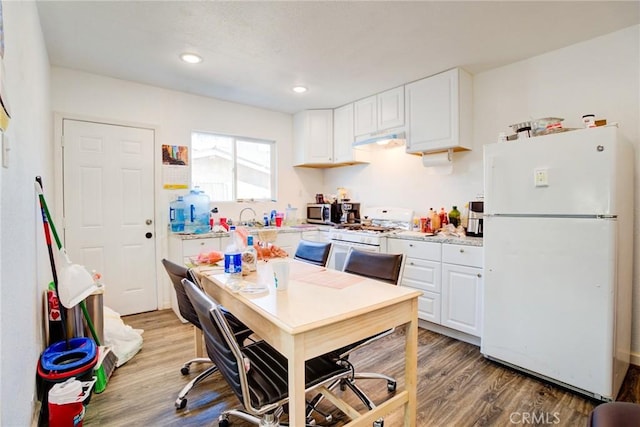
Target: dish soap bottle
454,216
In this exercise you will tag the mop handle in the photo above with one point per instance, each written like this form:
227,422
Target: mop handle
54,274
43,203
45,213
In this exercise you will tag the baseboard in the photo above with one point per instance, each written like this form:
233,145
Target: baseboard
460,336
635,359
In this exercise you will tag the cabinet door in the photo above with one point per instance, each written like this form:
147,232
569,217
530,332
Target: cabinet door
391,108
438,111
462,289
429,307
343,134
313,134
288,242
366,116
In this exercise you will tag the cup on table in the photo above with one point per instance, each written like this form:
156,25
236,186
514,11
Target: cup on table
280,267
279,218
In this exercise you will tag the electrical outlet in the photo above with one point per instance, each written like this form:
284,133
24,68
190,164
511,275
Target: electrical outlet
541,177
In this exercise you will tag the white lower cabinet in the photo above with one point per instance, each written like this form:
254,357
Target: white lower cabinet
462,288
422,271
288,242
450,278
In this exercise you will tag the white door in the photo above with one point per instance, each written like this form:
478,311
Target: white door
108,209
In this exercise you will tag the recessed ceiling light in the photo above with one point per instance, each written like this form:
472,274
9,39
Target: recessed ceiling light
191,58
299,89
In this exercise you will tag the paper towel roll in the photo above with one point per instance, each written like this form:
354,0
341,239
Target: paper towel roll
438,163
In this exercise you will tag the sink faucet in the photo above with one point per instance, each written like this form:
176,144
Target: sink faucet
242,211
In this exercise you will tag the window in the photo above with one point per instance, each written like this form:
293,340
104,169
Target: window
230,168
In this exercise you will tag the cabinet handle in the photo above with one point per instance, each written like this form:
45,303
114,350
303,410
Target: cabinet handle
479,275
410,245
461,250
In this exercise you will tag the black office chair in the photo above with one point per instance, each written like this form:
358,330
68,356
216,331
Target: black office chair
378,266
263,387
177,273
313,252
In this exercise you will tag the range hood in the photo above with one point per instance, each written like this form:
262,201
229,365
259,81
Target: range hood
386,138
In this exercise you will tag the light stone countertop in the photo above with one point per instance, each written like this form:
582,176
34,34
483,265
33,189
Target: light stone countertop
416,235
252,230
404,235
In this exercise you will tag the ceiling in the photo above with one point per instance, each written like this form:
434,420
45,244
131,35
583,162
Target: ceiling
254,52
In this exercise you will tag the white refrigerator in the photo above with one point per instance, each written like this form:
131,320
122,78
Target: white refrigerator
558,244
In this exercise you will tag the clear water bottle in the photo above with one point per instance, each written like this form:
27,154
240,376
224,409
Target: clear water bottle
176,215
233,262
250,256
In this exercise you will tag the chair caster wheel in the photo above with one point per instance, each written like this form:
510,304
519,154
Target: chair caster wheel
184,370
378,423
181,403
391,386
223,423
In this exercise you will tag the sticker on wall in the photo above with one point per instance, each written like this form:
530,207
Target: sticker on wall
175,167
5,114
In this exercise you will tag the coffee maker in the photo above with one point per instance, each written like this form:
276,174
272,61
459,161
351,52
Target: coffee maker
475,225
349,212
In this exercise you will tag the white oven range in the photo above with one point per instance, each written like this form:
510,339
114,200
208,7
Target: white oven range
372,238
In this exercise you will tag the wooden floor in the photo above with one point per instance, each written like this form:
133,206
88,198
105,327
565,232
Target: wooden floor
457,386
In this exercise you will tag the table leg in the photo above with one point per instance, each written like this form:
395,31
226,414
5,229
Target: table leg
297,402
411,368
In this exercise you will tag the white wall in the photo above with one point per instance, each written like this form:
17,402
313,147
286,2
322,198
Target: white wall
599,76
174,115
24,265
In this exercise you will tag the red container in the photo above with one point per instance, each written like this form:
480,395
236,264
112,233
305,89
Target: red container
66,403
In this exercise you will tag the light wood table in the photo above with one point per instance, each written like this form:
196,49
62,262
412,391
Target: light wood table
320,311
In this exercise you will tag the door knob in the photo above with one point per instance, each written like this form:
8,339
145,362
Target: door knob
148,222
148,235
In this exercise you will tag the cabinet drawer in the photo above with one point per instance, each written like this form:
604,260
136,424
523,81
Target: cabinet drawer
462,255
415,249
195,246
422,274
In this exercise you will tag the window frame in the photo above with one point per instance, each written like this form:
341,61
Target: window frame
234,158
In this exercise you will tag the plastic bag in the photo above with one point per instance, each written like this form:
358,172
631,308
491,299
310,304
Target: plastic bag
124,341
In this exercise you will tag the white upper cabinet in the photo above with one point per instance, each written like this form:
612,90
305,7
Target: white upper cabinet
379,112
343,151
366,116
391,108
313,137
324,139
438,110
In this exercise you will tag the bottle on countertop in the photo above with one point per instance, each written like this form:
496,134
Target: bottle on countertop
176,215
454,216
444,220
214,218
435,220
233,262
265,218
464,218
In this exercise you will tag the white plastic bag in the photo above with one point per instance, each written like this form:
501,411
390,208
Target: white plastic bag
124,341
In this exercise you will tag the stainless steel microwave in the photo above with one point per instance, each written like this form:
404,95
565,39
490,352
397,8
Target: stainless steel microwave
319,213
